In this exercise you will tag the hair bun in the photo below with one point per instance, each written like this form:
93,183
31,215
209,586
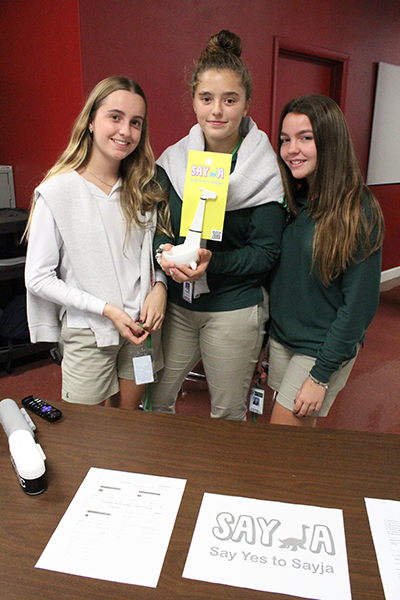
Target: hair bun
225,41
223,52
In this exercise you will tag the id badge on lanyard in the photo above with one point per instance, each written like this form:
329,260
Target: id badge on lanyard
143,365
187,291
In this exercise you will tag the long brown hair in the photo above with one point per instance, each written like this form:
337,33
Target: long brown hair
348,218
140,190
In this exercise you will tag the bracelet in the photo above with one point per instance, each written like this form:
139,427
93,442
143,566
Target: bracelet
158,253
325,385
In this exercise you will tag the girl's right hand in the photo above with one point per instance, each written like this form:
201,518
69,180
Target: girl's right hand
181,273
126,326
308,399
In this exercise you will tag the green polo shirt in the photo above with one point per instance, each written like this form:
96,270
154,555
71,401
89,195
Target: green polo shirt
309,318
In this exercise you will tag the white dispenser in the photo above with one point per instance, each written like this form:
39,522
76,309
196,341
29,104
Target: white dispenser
27,456
188,253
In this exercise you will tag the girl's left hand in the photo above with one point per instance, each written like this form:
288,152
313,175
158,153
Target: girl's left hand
182,274
125,324
309,399
154,306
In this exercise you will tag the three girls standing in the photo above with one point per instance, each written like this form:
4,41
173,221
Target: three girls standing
89,256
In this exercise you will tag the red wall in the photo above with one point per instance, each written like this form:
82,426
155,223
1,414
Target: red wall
155,42
389,199
41,86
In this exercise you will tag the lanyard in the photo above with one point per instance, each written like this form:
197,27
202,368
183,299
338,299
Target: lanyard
147,402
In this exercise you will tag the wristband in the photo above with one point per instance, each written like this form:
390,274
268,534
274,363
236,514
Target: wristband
325,385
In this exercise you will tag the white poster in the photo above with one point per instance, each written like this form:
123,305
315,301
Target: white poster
117,528
383,162
270,546
384,520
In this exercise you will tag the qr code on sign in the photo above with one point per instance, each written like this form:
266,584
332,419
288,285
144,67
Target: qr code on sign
216,235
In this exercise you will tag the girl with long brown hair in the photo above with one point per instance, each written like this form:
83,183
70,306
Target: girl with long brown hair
325,289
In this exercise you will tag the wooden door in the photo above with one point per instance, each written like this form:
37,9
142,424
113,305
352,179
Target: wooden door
299,70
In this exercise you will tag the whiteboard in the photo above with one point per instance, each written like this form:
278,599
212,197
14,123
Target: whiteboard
384,154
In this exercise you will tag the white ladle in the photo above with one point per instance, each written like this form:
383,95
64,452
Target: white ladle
188,253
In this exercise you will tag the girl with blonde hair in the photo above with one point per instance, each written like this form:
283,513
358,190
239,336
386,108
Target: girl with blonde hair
89,260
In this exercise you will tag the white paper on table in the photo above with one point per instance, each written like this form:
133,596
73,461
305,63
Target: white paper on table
117,528
384,520
270,546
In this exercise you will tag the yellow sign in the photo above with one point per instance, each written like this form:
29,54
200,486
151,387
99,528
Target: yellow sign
207,177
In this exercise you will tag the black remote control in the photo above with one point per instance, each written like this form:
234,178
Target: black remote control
41,408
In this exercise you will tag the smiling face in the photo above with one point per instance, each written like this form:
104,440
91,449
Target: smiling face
298,149
117,127
220,103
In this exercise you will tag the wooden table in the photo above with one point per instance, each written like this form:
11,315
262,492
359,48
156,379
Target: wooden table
334,469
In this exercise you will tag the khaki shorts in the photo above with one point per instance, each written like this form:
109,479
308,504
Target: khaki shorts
287,371
90,374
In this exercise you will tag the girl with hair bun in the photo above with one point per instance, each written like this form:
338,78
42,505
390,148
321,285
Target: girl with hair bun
89,260
221,316
325,289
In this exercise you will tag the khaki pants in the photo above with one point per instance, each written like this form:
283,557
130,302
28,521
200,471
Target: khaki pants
228,344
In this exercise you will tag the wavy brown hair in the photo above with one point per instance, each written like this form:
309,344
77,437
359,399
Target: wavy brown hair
140,191
348,218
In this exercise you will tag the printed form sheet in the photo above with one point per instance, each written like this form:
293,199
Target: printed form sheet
117,528
384,520
270,546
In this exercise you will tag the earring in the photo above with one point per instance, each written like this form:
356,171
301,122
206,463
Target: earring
90,130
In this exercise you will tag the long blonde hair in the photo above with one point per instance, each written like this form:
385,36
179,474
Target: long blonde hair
140,191
348,218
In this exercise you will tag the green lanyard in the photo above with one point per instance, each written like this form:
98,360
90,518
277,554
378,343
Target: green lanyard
147,402
236,148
